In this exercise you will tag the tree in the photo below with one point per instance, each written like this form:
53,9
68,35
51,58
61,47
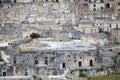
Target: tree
34,35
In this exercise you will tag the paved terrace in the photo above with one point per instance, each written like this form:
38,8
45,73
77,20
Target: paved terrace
54,45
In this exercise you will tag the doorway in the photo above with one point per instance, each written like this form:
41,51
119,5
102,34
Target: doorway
107,5
63,65
91,63
4,74
80,63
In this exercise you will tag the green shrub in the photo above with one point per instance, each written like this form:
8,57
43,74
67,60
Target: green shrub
34,35
40,78
81,74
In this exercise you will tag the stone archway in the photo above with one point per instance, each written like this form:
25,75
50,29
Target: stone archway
107,5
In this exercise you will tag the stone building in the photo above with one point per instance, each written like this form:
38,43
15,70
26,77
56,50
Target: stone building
116,34
116,5
87,28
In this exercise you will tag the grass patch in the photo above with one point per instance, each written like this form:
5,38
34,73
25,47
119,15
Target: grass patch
114,76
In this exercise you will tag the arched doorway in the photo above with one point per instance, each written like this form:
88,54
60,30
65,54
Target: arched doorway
107,5
91,63
63,65
80,63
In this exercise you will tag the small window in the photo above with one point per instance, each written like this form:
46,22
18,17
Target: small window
110,25
36,62
14,61
3,68
101,7
46,62
94,5
118,3
95,59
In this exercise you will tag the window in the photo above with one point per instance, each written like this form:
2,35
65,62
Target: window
118,3
14,61
46,60
101,7
36,62
74,57
94,5
80,57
